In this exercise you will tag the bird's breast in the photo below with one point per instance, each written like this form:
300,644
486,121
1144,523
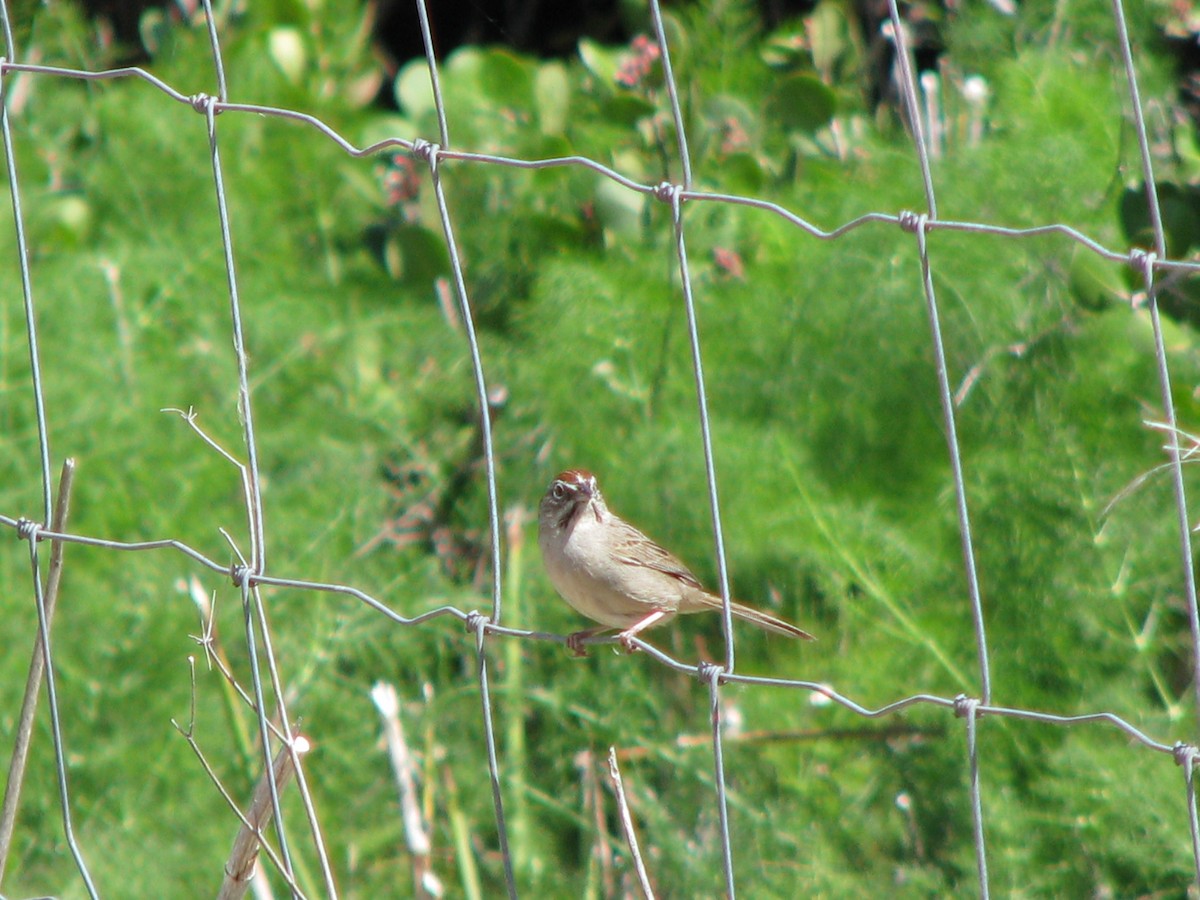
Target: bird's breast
584,570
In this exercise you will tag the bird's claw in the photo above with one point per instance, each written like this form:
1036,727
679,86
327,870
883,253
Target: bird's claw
575,643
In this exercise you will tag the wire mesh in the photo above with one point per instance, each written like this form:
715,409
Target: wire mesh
276,734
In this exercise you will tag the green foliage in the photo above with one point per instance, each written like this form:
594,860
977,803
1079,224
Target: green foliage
828,437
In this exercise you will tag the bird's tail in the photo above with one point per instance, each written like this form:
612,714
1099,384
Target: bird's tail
769,622
754,617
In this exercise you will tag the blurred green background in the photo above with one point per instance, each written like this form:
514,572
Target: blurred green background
833,474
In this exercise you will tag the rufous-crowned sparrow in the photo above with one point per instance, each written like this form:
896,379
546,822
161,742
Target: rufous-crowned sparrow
612,573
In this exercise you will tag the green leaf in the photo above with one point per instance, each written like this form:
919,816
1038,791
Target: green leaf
802,103
1187,148
786,48
506,78
601,61
1179,208
464,67
627,108
730,126
380,128
413,91
1095,284
679,41
410,254
830,37
723,107
742,172
66,220
153,29
285,45
618,208
552,90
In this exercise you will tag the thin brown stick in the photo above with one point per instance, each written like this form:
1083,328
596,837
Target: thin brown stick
593,802
769,736
189,734
425,880
240,867
627,825
37,667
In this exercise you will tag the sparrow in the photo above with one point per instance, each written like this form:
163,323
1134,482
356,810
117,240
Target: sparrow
612,573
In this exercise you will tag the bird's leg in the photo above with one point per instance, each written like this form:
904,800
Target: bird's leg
575,639
626,636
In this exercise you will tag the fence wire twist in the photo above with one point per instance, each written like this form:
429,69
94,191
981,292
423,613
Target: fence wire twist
281,747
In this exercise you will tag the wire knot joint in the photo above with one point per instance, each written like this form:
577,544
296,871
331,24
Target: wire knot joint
911,221
28,530
239,573
202,103
710,673
1185,755
1142,261
667,192
965,706
477,622
426,151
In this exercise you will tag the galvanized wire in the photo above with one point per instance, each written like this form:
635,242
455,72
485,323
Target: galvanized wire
1145,262
251,575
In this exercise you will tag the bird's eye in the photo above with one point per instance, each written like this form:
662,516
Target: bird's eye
559,490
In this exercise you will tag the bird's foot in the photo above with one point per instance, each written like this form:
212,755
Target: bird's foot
575,642
625,638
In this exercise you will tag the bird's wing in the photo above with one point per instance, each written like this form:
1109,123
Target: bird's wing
636,549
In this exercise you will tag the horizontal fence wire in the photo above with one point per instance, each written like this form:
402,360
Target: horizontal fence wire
249,573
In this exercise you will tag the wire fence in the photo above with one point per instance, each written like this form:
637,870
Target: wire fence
280,746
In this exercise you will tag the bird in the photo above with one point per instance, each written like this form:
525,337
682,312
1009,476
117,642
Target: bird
612,573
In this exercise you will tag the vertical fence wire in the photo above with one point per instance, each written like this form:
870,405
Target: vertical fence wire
435,82
919,224
214,44
712,676
289,741
23,732
60,749
912,105
714,506
969,708
254,513
672,195
14,189
1185,757
30,531
251,600
264,731
710,466
248,576
429,153
681,142
489,734
1146,263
